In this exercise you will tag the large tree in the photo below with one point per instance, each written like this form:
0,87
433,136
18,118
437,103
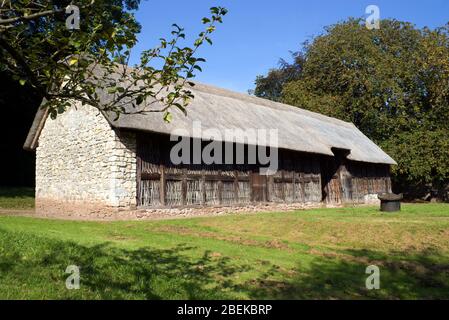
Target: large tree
392,83
41,49
271,86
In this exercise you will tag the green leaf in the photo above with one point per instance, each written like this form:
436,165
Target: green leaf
72,61
139,100
22,82
168,117
112,90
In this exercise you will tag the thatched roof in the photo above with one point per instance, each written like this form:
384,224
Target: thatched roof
298,129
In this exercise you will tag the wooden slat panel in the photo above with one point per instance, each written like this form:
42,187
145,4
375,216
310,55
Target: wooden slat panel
173,195
194,192
299,179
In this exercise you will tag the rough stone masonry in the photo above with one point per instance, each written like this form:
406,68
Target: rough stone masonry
80,146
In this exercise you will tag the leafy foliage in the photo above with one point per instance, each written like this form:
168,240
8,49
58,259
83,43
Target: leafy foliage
270,86
392,83
63,65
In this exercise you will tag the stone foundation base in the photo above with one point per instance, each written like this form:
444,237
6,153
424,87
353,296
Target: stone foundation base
98,211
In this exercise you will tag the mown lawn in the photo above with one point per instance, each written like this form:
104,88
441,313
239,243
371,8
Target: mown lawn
16,198
318,254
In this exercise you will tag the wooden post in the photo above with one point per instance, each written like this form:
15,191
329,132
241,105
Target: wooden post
220,189
184,186
251,186
303,186
270,187
163,184
236,186
138,180
203,186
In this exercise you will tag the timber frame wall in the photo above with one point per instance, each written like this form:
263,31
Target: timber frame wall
301,178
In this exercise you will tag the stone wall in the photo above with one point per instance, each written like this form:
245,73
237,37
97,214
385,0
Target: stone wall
81,160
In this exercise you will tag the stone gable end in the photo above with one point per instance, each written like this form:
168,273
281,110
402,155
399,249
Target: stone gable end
81,160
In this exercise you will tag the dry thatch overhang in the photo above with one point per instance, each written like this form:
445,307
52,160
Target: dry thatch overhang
216,108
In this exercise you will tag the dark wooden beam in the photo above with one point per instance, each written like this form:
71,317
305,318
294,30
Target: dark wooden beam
163,184
236,186
138,180
203,186
302,181
184,186
220,188
150,176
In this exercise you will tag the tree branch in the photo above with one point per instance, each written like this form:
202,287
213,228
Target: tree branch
37,15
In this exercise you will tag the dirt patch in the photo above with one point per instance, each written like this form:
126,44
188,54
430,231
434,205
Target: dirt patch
278,244
20,212
272,244
120,237
215,255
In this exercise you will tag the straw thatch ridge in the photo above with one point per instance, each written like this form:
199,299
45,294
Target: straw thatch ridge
216,108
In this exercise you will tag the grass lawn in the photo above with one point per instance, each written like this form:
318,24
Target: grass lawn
16,198
314,254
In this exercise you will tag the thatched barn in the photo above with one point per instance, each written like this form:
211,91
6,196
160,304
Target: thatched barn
87,158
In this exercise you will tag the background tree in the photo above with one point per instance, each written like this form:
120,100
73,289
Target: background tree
392,83
271,86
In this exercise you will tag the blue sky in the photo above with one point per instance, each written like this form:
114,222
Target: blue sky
257,33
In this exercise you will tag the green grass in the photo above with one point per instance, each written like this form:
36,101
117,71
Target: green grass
318,254
16,198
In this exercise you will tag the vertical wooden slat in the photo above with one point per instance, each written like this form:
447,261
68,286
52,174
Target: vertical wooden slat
203,185
251,186
270,188
220,189
283,185
236,186
138,178
184,186
318,162
303,186
163,185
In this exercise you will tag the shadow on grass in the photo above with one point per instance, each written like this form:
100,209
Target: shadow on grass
108,272
14,192
403,275
16,198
